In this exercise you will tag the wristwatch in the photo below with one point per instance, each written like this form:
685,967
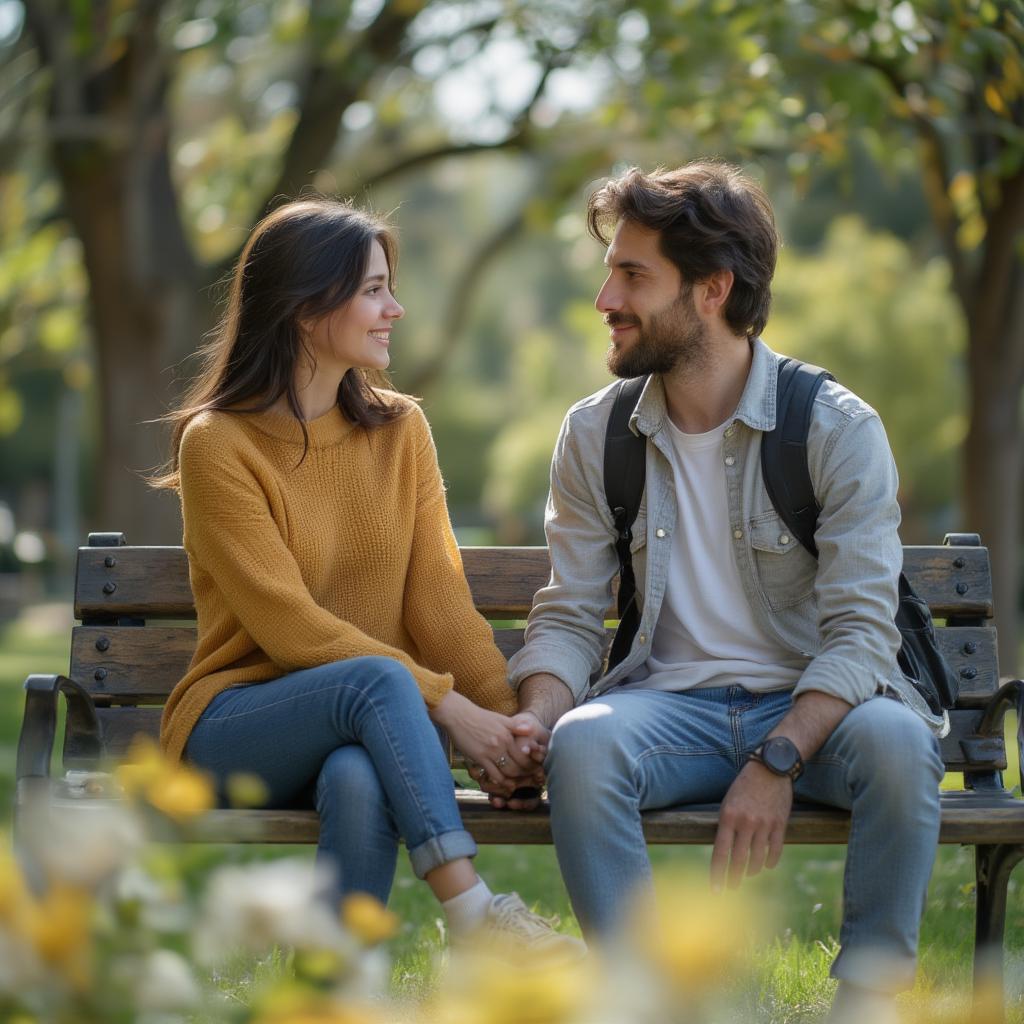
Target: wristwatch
779,755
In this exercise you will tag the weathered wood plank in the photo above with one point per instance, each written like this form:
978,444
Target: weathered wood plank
132,664
963,821
152,582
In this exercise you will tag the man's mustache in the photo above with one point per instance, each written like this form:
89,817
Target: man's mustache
620,320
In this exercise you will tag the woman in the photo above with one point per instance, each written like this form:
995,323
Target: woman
335,625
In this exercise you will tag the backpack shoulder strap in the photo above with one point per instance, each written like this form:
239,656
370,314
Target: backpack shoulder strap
784,450
625,456
625,473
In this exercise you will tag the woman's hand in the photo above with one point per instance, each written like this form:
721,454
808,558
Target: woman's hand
489,740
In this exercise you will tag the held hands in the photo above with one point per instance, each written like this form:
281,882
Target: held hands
504,754
527,727
751,826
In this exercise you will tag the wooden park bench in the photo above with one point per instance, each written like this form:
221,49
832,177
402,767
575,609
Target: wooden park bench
132,647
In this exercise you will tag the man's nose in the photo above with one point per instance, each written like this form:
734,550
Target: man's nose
608,298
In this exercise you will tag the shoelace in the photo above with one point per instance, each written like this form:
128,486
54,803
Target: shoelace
513,915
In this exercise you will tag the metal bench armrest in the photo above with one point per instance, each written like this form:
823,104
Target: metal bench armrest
1009,695
39,727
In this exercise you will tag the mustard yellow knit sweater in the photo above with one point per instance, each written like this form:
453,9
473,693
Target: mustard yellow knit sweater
348,553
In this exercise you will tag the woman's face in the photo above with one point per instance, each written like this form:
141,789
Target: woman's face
359,332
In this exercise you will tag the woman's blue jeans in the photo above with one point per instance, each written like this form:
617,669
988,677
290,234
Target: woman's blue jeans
354,739
615,756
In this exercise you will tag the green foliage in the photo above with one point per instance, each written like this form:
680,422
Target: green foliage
888,328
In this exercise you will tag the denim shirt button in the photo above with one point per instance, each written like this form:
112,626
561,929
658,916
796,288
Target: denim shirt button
659,532
730,460
729,431
642,638
784,539
738,534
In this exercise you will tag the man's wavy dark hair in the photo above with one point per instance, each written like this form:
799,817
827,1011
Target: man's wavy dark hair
710,216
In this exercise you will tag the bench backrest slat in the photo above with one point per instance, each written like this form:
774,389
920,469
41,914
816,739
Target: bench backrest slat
122,663
152,582
133,665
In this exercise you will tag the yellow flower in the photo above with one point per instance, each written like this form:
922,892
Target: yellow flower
245,789
487,989
290,1004
177,790
367,919
181,793
693,937
143,764
59,927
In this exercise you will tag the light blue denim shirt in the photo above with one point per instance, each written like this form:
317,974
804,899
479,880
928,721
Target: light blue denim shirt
837,611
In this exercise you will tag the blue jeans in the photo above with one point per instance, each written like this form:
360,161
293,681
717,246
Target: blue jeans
617,755
354,739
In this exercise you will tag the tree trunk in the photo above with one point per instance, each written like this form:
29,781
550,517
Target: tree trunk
992,501
147,312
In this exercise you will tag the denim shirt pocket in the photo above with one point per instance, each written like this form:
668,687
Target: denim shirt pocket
785,570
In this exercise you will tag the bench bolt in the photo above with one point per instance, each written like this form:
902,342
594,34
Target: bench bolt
110,561
968,672
958,563
103,644
109,587
970,647
962,588
99,675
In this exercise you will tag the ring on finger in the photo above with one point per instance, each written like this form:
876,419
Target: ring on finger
501,761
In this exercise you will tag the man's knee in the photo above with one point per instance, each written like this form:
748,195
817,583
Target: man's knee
585,749
886,738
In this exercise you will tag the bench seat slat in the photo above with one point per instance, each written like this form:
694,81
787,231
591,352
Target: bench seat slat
963,821
152,582
141,665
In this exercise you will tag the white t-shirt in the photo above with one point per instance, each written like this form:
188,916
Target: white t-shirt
706,634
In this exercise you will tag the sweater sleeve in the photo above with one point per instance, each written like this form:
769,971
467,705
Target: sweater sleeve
439,614
231,534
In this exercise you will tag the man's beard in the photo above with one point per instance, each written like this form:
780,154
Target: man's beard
673,339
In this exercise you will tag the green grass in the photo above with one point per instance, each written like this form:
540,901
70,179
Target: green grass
804,893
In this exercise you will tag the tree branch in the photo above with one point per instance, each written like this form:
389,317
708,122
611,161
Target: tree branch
463,292
937,177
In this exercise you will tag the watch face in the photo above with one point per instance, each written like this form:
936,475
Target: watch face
780,755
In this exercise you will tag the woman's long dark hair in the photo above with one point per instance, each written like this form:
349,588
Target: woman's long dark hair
301,262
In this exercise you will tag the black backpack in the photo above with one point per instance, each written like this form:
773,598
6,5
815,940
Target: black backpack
788,482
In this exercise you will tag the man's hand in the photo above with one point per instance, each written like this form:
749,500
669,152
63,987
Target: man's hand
528,726
752,825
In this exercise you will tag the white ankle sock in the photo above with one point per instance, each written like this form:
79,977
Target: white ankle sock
467,910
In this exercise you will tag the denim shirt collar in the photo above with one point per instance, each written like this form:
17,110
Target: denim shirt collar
757,403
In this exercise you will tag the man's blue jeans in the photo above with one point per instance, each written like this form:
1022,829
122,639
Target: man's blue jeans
354,739
620,754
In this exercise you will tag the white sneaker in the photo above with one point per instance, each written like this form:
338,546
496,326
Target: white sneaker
511,923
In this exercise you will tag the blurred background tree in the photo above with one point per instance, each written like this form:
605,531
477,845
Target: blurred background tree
140,139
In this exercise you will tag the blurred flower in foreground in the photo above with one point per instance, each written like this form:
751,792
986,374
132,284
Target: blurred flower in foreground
368,919
174,789
44,939
259,906
496,985
693,937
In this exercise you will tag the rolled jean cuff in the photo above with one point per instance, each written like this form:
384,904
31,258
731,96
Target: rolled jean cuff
442,849
876,970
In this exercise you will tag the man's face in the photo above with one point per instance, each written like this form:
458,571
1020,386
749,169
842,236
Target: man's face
654,325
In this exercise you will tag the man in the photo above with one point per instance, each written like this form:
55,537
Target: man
748,649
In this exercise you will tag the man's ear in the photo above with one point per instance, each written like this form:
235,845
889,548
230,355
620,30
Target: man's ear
712,292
